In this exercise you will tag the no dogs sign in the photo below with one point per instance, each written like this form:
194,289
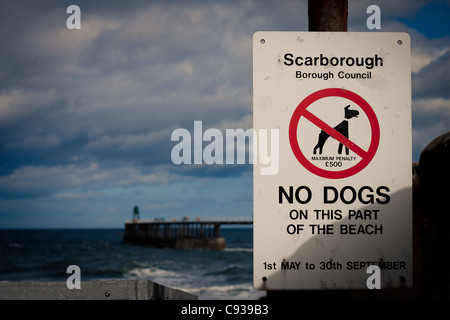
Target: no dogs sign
341,199
340,132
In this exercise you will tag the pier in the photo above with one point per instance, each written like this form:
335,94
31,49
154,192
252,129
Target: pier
183,234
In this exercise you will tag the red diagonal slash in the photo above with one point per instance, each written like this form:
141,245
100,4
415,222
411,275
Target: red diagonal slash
366,156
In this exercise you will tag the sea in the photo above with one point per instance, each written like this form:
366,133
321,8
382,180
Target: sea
44,255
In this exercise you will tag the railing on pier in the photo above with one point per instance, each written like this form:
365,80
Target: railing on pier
185,228
221,220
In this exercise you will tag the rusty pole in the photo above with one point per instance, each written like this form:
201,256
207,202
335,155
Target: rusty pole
327,15
323,15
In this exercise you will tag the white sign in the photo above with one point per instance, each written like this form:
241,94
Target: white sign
342,197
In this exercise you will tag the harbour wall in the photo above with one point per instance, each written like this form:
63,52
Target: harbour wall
92,290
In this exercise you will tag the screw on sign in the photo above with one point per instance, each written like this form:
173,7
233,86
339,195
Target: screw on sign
339,132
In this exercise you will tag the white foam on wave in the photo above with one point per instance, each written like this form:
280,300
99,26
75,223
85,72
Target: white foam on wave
150,273
227,292
195,284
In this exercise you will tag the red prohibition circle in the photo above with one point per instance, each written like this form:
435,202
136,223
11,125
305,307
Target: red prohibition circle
302,111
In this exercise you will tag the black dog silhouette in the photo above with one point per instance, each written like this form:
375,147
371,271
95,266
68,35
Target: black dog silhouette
342,128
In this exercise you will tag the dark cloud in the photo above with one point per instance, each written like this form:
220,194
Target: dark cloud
109,95
87,115
434,79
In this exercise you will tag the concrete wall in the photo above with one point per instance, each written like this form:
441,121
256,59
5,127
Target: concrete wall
92,290
432,207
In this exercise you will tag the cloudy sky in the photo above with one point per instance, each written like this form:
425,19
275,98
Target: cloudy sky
86,115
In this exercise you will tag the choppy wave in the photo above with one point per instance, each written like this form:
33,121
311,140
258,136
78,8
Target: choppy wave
189,282
44,255
150,273
227,292
14,245
239,250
